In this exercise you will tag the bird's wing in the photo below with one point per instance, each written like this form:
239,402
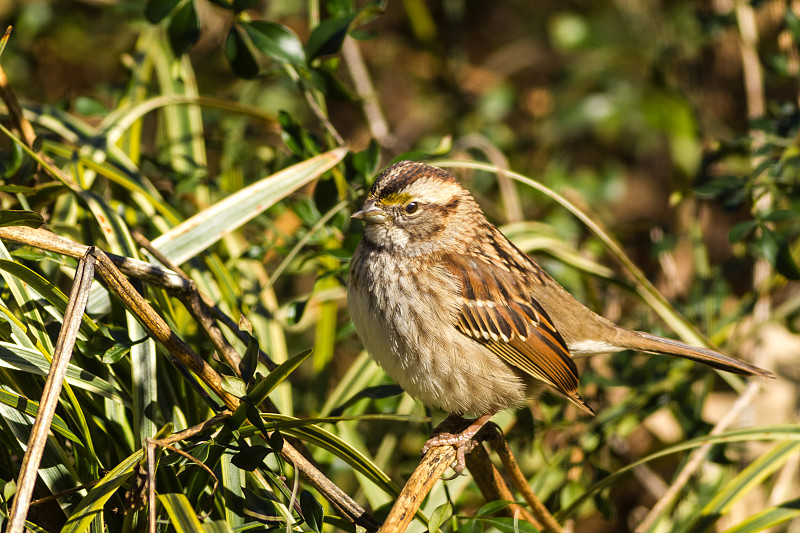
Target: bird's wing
498,311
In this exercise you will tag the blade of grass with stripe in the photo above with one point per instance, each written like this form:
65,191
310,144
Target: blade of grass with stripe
206,227
751,477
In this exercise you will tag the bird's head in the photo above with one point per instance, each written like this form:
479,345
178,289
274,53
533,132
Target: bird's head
414,209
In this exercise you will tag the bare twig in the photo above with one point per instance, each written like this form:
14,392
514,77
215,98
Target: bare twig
697,457
376,121
541,513
52,388
427,473
159,329
492,485
46,240
204,311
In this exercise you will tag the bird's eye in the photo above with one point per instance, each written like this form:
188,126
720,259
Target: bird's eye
412,208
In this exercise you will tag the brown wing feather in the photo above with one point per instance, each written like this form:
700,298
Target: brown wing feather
498,312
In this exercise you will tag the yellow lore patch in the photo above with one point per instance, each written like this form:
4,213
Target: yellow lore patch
395,198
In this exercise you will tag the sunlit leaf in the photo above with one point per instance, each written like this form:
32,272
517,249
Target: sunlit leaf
20,218
276,41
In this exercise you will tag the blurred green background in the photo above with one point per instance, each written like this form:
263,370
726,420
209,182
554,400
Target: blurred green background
672,124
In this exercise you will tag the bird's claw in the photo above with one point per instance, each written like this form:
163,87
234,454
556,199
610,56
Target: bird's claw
461,442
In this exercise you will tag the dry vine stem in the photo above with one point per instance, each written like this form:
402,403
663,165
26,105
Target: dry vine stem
117,283
486,476
73,315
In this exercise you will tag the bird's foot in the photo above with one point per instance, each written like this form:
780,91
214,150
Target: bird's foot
461,441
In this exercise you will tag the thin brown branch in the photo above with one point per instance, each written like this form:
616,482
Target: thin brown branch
46,240
492,485
159,329
427,473
696,459
150,450
539,510
73,315
378,126
204,311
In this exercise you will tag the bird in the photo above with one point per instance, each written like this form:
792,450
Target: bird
462,319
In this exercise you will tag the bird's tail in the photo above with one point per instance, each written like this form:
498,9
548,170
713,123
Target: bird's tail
646,342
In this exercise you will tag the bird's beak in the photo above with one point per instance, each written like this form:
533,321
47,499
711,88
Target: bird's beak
370,213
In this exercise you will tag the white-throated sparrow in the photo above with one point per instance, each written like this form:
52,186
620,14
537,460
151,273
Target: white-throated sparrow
460,317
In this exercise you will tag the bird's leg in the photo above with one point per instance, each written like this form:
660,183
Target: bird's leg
462,441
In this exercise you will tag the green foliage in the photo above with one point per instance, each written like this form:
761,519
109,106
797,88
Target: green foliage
236,136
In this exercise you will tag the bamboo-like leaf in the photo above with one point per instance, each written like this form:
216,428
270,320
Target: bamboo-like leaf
20,218
30,407
767,518
749,478
777,433
52,294
217,526
189,238
341,449
27,360
275,378
181,515
93,503
232,479
22,296
54,468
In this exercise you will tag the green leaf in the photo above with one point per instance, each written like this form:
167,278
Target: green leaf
31,361
493,507
327,38
750,478
341,449
217,526
376,392
249,362
10,217
767,518
156,10
31,407
785,262
250,457
181,515
261,507
740,230
439,516
506,524
312,510
184,28
92,504
197,233
239,56
779,215
234,385
275,378
49,292
778,432
276,41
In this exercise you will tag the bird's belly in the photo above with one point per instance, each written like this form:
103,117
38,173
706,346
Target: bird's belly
439,366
